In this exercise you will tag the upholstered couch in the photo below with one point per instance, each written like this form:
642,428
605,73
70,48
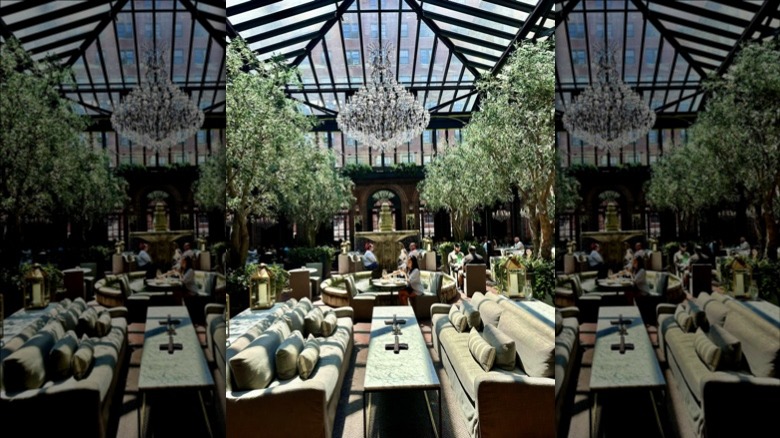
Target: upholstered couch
66,404
215,344
128,290
502,403
567,344
334,294
739,400
293,407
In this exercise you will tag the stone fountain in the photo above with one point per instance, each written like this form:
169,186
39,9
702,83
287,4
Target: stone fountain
612,239
387,243
161,240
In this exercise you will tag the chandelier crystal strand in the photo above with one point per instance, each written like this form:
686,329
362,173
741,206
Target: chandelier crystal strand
608,114
382,114
157,114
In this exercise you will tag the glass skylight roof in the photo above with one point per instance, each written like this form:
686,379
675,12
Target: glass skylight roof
103,40
441,47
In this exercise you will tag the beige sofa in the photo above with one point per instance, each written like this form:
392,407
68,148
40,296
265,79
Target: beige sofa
567,344
501,403
734,402
334,294
81,406
293,407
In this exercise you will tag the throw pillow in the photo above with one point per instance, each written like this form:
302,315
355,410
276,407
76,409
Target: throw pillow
489,311
280,328
731,348
61,356
708,352
698,317
715,310
349,285
313,322
83,358
482,352
307,360
103,324
295,319
69,318
54,326
504,347
472,314
305,302
558,322
458,319
79,304
124,285
329,323
26,367
254,367
287,356
683,318
87,322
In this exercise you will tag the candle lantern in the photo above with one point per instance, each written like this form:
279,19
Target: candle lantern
515,278
260,295
36,288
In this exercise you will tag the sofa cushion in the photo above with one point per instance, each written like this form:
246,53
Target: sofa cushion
699,316
69,318
760,348
295,319
83,358
489,312
681,346
78,304
26,367
287,356
558,322
313,322
435,287
349,285
576,285
87,322
472,314
715,310
456,346
481,350
534,339
458,319
61,355
124,285
309,357
306,303
54,326
103,324
684,319
506,354
708,352
255,366
729,346
329,323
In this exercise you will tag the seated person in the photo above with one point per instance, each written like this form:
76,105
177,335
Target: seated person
369,259
455,260
144,261
518,246
412,275
471,259
596,262
681,258
413,251
189,288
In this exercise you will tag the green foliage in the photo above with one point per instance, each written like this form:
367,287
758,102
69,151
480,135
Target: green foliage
514,130
47,169
210,186
53,274
540,271
298,257
765,274
353,170
733,146
445,248
567,196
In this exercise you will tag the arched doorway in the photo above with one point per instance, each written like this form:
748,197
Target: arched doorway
374,203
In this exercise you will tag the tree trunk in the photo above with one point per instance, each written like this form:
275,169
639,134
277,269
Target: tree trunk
771,229
239,241
547,236
458,226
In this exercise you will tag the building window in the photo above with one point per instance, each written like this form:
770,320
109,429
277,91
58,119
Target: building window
576,30
403,57
426,219
630,57
124,30
341,227
375,30
200,32
650,55
351,30
148,30
178,57
200,56
427,137
630,30
404,30
353,57
128,57
425,31
600,30
425,56
114,227
652,31
179,30
579,57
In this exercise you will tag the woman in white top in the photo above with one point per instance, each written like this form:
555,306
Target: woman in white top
189,287
412,275
639,276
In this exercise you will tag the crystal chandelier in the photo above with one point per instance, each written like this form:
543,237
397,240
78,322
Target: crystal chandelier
501,215
608,113
382,114
157,114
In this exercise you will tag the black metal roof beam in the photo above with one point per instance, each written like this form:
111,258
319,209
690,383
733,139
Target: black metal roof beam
289,28
95,34
691,24
247,6
38,19
350,90
689,7
430,16
20,6
741,5
287,43
512,4
478,54
49,31
286,13
765,10
562,15
315,106
476,12
424,17
214,105
678,100
324,30
698,40
451,101
201,17
58,43
4,32
540,11
655,21
231,31
471,40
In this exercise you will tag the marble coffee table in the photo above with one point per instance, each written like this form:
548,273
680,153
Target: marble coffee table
408,369
177,367
634,369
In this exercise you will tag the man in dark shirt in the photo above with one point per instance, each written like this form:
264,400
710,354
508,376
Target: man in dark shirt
471,259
